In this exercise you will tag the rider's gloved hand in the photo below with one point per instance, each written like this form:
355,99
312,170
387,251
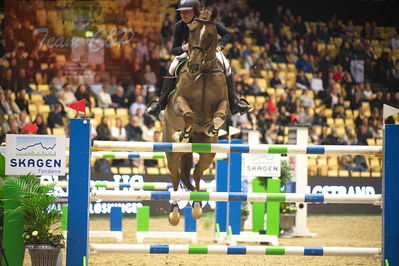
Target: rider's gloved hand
185,47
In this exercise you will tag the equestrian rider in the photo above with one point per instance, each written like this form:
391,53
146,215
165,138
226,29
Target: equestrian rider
180,50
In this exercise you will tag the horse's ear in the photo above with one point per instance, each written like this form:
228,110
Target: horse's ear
196,10
214,14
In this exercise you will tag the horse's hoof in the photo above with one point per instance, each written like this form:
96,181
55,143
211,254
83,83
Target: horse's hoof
174,217
197,210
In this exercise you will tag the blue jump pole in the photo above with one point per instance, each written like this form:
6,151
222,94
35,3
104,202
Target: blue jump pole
234,208
390,246
221,186
116,219
79,192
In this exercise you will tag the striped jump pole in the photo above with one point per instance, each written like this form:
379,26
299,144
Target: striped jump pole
234,196
235,148
142,155
234,250
135,185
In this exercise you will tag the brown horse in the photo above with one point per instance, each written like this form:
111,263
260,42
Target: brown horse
198,107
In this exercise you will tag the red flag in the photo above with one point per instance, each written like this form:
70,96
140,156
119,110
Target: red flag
31,128
79,106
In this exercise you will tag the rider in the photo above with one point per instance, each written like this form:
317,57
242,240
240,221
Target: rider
180,49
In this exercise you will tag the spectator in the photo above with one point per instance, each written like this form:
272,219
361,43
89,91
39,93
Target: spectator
96,87
394,41
299,27
23,119
103,132
306,100
89,74
7,81
70,67
275,81
56,117
22,101
302,81
9,105
22,82
378,101
57,83
254,88
82,93
305,117
67,96
234,51
113,85
119,99
148,129
104,98
141,51
324,35
118,132
317,84
363,134
304,65
138,104
319,118
103,73
366,93
41,125
149,76
332,138
133,129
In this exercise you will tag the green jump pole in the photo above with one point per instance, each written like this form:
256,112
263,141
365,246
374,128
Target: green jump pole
64,218
273,208
143,219
13,228
258,208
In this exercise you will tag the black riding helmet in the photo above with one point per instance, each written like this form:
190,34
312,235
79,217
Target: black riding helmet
187,4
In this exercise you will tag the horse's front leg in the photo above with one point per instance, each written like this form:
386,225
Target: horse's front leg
173,166
182,108
218,119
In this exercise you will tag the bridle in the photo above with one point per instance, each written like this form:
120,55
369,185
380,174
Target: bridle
204,51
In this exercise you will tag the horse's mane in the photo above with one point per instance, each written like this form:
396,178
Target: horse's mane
205,14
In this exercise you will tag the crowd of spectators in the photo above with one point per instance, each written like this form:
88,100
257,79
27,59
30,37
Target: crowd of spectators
322,55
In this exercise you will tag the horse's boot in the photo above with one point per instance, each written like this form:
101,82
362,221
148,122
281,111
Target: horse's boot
155,107
236,105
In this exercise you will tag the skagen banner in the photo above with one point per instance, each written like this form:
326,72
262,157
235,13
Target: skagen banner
35,154
325,185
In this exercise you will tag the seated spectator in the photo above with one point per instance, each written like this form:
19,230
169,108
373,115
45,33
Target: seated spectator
118,132
320,118
306,100
149,76
23,119
57,83
377,102
89,74
41,125
22,101
304,65
56,117
103,132
30,72
119,99
366,93
148,129
22,82
363,134
104,98
113,85
67,96
332,138
275,81
350,137
356,163
249,60
70,66
75,80
7,81
234,51
302,81
314,138
305,117
103,73
394,41
356,102
317,84
324,35
8,105
138,104
82,93
96,87
254,88
133,129
332,98
271,134
339,109
283,116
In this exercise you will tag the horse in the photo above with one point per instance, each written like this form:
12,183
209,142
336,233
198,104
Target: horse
198,107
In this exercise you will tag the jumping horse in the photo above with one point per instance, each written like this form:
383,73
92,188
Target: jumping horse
197,108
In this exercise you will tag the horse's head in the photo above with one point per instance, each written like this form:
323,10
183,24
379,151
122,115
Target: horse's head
202,39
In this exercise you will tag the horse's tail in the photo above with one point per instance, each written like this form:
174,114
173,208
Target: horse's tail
186,162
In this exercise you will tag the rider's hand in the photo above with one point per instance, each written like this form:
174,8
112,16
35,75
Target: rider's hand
185,47
219,48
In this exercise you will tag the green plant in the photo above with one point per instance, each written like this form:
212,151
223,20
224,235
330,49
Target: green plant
36,205
244,210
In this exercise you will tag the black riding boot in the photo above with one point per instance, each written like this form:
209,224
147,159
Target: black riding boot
236,105
155,107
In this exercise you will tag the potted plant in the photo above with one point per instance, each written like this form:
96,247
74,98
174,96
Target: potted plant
244,214
41,235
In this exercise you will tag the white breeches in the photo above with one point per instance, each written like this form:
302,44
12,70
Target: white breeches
219,55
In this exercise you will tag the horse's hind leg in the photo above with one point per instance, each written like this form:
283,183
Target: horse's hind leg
173,166
183,109
218,119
